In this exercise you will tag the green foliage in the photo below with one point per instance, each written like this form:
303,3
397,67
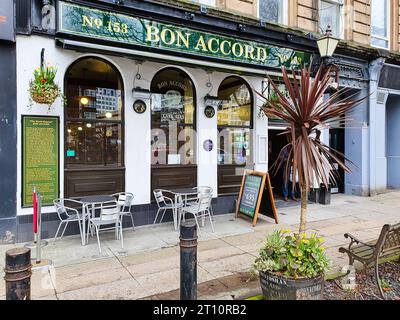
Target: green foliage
294,256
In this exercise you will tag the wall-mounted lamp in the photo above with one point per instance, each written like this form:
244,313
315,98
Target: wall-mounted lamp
327,44
241,27
189,15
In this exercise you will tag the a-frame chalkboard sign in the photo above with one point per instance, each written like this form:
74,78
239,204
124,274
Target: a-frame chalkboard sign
256,196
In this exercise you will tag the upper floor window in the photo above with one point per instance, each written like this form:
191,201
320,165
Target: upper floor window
380,23
330,14
273,11
210,3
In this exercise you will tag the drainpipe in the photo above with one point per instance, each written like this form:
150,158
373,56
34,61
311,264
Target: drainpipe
375,68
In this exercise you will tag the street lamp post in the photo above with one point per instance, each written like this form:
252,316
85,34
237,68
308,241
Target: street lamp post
327,45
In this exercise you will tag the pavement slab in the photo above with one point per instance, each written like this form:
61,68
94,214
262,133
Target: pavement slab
148,267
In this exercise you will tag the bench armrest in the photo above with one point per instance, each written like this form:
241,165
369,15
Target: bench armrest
356,240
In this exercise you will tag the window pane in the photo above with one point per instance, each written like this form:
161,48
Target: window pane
173,145
330,16
93,144
235,107
172,118
379,18
271,10
379,42
234,146
94,91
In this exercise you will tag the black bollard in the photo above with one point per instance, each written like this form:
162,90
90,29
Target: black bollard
188,245
18,274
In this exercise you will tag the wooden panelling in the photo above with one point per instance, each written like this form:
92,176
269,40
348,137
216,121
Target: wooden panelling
229,179
173,177
92,182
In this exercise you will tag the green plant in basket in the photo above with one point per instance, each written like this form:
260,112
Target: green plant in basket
42,88
292,256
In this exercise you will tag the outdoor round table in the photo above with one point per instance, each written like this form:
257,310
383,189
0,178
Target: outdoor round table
184,193
92,201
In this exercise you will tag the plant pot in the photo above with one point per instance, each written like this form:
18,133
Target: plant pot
45,97
276,287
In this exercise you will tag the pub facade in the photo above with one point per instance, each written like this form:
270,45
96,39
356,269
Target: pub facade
154,97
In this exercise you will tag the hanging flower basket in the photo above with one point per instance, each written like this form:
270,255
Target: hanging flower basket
43,89
47,96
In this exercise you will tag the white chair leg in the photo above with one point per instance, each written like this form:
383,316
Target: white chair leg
58,229
65,228
158,211
133,223
98,238
162,217
80,229
209,215
122,239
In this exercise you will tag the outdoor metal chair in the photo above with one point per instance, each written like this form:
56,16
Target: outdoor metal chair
68,213
109,215
202,190
124,200
165,203
199,209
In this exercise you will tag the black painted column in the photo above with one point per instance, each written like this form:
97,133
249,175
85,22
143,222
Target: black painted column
8,123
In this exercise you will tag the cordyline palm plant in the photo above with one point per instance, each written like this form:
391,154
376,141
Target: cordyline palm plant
306,114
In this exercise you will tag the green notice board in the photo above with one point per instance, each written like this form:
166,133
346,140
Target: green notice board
40,158
251,191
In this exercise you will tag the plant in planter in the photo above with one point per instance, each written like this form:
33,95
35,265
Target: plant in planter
291,266
42,88
308,159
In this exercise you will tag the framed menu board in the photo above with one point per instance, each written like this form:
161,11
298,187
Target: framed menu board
256,196
40,158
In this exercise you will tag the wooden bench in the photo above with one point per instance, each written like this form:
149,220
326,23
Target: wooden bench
369,253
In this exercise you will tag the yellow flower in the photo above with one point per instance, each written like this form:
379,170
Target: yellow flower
305,241
322,248
321,239
285,230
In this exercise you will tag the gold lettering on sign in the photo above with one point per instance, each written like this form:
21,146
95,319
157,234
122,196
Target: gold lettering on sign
164,36
201,43
223,46
249,52
152,34
261,54
182,38
235,49
210,45
86,21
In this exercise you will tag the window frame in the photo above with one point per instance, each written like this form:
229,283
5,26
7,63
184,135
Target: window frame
284,18
180,126
84,121
340,22
388,11
248,127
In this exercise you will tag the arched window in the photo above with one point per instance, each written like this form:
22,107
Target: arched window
173,122
93,115
234,122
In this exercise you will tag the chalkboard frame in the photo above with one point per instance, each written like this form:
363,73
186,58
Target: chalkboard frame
57,118
260,193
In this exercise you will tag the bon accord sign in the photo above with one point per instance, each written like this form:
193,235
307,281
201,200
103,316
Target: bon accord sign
93,23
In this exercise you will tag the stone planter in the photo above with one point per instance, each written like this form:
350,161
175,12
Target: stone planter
276,287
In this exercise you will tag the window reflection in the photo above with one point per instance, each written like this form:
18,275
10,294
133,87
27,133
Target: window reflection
235,107
172,118
234,122
93,115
